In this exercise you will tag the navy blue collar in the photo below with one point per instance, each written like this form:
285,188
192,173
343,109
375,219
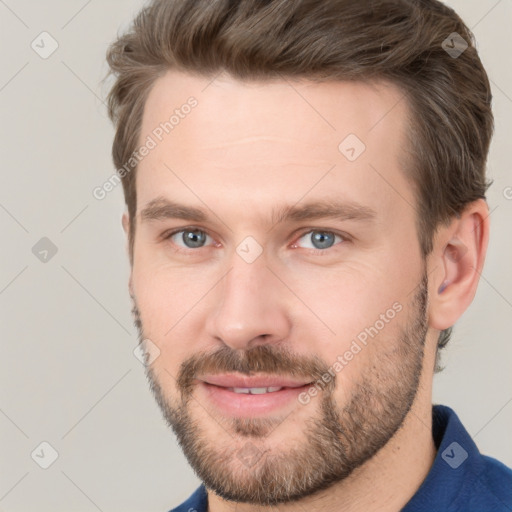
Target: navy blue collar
450,470
461,478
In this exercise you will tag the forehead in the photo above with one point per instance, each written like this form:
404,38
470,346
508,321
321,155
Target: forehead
279,135
326,108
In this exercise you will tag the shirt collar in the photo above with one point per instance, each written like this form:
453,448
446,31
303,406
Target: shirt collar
456,467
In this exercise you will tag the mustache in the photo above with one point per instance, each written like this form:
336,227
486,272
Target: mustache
267,359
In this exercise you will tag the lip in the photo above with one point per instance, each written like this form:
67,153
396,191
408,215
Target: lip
258,381
216,390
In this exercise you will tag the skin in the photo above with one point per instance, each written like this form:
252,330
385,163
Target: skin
249,149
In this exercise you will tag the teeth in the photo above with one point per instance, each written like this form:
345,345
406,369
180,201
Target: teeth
256,391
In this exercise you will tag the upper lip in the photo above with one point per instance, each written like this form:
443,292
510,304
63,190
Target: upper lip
259,381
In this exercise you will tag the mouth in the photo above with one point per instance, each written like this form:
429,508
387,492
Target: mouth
242,396
256,391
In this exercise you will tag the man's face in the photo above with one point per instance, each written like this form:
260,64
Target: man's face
267,257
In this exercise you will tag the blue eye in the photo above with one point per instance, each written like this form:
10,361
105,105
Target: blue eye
319,239
189,238
193,238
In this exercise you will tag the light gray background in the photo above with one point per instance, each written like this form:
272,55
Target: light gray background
68,374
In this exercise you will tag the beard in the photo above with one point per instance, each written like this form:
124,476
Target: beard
332,444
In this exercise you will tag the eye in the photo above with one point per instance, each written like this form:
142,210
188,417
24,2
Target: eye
318,240
189,238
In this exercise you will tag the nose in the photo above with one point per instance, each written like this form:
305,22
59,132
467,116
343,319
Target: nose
250,306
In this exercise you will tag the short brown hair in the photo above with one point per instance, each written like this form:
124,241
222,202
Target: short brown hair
402,41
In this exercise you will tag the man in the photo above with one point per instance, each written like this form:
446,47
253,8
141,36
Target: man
306,220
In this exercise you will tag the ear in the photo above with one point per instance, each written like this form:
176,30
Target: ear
126,227
125,221
456,261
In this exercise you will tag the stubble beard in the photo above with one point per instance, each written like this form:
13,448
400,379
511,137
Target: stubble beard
335,441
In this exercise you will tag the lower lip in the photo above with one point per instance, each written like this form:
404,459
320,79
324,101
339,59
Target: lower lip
244,404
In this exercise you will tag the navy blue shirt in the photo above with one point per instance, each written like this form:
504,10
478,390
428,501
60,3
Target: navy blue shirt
461,478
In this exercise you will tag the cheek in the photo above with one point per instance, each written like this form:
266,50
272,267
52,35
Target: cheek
168,301
355,318
346,300
166,292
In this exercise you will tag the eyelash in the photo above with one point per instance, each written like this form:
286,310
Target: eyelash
320,252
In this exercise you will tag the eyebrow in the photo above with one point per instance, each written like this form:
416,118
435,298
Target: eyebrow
162,208
328,209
